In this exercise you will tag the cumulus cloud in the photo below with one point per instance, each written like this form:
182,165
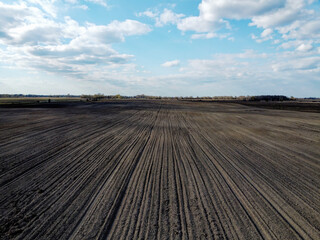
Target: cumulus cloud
168,17
114,32
304,47
264,36
129,27
263,13
299,45
46,5
20,23
33,40
173,63
302,29
266,33
148,13
292,10
26,25
212,13
12,15
291,18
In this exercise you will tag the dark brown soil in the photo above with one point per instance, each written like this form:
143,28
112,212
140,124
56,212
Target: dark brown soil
290,105
159,170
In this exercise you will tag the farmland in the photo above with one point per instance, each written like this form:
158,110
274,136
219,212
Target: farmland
159,169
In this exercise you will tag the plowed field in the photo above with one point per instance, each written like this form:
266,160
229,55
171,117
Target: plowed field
159,170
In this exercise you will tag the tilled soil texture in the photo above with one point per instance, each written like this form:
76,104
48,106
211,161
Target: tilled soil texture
159,170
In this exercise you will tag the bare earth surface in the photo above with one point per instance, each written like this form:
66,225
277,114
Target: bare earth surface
159,170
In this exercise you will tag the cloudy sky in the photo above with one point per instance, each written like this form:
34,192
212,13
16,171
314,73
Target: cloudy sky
168,48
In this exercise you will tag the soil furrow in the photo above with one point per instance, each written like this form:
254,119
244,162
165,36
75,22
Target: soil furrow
159,169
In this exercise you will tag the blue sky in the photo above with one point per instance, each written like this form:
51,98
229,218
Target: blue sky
172,48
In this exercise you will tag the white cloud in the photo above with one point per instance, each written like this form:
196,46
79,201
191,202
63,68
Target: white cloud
99,2
264,36
211,35
291,18
164,18
299,45
213,12
72,1
129,27
302,29
46,5
266,33
33,40
305,47
204,35
291,11
250,67
250,72
76,4
198,24
13,15
21,24
299,64
148,13
168,17
114,32
173,63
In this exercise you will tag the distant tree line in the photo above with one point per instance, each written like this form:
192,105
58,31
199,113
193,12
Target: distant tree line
101,97
269,98
243,98
36,95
